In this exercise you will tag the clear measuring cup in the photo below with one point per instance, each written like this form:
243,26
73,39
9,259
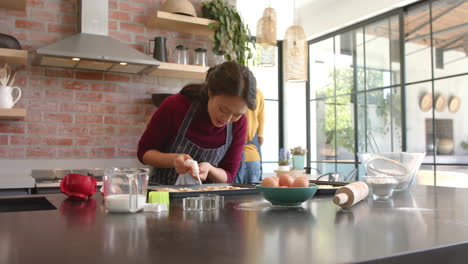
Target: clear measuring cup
125,189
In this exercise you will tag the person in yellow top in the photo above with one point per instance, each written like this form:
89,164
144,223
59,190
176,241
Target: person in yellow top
251,166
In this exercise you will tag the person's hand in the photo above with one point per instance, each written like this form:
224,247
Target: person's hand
205,168
180,165
260,140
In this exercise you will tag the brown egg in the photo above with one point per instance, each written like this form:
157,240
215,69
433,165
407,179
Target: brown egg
270,182
300,182
286,180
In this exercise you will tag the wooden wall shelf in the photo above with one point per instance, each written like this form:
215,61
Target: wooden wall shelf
13,56
174,70
12,114
180,23
13,4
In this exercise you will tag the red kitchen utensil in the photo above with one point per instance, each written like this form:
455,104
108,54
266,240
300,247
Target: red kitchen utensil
78,186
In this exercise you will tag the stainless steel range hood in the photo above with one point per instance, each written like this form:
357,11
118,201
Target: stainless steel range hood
93,49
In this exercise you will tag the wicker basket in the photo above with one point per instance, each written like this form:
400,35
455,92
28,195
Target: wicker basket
295,52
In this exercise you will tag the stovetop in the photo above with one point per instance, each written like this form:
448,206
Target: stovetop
52,177
53,180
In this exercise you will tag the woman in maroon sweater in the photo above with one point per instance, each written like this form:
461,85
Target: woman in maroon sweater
204,122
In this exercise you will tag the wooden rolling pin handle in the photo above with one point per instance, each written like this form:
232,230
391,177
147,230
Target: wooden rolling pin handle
351,194
340,198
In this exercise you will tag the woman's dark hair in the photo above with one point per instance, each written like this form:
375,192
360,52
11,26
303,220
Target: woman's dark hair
229,78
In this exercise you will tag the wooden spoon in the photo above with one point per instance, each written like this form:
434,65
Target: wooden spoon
12,79
3,77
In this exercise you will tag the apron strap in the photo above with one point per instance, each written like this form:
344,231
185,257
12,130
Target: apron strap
187,120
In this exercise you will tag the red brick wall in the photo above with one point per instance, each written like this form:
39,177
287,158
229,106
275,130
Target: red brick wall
83,114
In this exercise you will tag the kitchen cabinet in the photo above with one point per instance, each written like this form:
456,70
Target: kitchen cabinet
15,184
13,4
13,56
185,24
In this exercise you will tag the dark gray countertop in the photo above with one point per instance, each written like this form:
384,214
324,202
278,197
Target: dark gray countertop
426,218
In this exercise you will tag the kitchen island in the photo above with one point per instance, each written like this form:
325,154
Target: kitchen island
426,224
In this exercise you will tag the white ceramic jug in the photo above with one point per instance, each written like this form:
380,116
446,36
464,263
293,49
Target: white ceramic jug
6,96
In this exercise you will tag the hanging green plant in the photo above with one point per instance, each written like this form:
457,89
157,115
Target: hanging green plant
231,36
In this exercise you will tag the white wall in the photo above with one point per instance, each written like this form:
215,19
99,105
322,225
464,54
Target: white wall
446,87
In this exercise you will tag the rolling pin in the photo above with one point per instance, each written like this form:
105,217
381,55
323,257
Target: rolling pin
350,194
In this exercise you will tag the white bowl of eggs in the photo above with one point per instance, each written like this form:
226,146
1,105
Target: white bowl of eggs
287,190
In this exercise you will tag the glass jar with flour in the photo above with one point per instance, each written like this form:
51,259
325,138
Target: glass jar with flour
125,189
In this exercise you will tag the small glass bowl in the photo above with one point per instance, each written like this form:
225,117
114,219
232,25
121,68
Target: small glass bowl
204,202
382,186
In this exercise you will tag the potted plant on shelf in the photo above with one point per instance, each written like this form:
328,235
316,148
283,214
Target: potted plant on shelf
298,156
231,36
283,160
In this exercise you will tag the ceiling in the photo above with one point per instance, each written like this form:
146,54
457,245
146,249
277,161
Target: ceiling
449,25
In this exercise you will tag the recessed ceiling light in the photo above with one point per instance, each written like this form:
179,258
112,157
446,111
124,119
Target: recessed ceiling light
76,59
123,63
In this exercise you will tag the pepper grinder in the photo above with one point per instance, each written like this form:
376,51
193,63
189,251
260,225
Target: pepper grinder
160,52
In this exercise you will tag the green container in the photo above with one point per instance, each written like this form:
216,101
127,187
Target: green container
298,162
158,197
291,196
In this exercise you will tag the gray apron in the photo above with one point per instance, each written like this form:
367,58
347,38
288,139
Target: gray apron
183,145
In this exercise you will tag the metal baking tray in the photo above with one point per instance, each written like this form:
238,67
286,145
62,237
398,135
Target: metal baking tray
248,189
328,191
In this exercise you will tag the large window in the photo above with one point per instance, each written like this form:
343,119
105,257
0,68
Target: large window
267,82
364,96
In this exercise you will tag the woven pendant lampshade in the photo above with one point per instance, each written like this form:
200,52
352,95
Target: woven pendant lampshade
295,54
266,38
266,28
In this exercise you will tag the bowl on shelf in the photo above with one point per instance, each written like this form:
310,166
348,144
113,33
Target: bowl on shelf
292,196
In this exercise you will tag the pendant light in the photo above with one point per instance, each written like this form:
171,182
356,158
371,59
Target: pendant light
266,28
266,38
295,53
